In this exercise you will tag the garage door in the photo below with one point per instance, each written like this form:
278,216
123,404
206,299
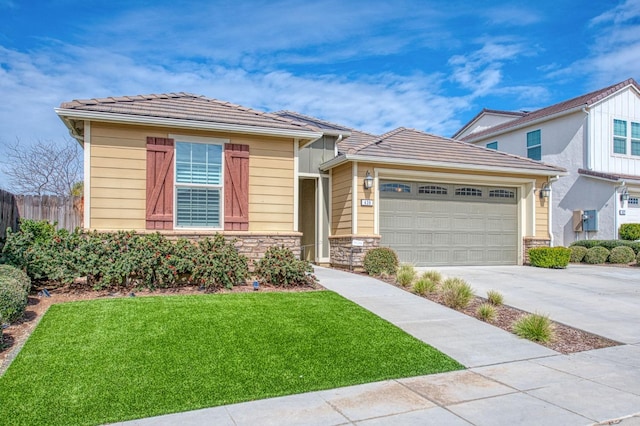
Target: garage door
435,224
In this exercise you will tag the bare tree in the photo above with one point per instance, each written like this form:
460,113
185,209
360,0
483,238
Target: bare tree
44,167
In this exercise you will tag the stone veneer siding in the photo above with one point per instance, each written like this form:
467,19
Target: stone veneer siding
531,242
347,256
253,245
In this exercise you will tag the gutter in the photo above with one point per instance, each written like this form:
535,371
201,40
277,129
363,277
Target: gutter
185,124
436,164
550,221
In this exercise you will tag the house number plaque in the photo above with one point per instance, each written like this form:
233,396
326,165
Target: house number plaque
366,203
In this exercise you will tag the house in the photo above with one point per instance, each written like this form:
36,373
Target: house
596,137
191,166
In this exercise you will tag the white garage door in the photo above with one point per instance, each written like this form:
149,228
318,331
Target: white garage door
435,224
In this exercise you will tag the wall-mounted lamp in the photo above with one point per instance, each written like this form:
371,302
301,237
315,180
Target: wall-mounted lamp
545,191
368,181
624,195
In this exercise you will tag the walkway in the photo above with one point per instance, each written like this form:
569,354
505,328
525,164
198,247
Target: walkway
510,381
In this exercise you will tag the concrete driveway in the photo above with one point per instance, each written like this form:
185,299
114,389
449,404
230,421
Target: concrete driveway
603,300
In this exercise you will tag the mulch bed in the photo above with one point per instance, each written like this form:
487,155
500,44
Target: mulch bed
567,339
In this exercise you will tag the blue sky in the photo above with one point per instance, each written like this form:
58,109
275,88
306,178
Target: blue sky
374,65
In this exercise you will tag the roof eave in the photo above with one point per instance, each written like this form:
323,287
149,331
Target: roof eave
438,164
491,135
66,114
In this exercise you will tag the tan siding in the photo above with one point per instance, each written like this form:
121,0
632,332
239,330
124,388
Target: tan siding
341,200
542,213
118,176
365,214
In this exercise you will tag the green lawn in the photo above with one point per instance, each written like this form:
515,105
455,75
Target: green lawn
108,360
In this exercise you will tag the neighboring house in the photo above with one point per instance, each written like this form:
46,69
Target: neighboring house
186,165
596,137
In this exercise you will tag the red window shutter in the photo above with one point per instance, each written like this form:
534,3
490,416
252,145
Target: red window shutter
236,187
159,213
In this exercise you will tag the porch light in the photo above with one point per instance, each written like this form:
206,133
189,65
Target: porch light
368,180
545,191
624,195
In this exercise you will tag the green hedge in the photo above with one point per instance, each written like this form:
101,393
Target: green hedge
280,267
577,253
381,260
122,258
608,244
14,292
549,257
622,254
629,231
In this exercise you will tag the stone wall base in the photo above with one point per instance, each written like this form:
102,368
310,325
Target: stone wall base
347,251
531,242
251,244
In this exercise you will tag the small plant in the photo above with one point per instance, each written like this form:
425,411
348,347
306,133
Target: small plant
577,253
638,259
495,297
434,276
549,257
622,254
424,286
536,327
486,312
456,293
380,260
14,291
280,267
596,255
629,231
406,275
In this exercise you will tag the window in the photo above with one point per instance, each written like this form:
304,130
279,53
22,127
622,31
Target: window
619,136
493,145
501,193
395,187
469,192
534,145
432,189
633,202
635,138
199,181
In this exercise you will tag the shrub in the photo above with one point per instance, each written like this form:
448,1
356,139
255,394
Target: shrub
608,244
495,297
456,293
406,274
486,312
577,253
629,231
280,267
638,259
218,264
381,260
434,276
549,257
536,327
596,255
14,292
424,286
621,255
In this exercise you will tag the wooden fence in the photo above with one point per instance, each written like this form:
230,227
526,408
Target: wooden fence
67,212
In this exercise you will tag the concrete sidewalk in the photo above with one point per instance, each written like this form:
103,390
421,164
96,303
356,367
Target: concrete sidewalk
511,381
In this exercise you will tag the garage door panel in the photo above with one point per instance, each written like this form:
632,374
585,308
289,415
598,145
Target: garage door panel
448,231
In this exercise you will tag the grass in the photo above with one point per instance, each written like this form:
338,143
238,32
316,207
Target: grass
535,327
495,298
406,274
456,293
110,360
486,312
424,286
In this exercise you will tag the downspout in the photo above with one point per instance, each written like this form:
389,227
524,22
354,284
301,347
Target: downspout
615,206
335,145
587,141
550,221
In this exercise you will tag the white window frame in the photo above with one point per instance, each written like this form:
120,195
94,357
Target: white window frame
202,140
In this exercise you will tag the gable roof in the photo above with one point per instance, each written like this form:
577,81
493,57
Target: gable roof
568,106
184,110
487,111
613,177
413,147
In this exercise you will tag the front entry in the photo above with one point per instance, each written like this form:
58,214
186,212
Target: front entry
313,218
